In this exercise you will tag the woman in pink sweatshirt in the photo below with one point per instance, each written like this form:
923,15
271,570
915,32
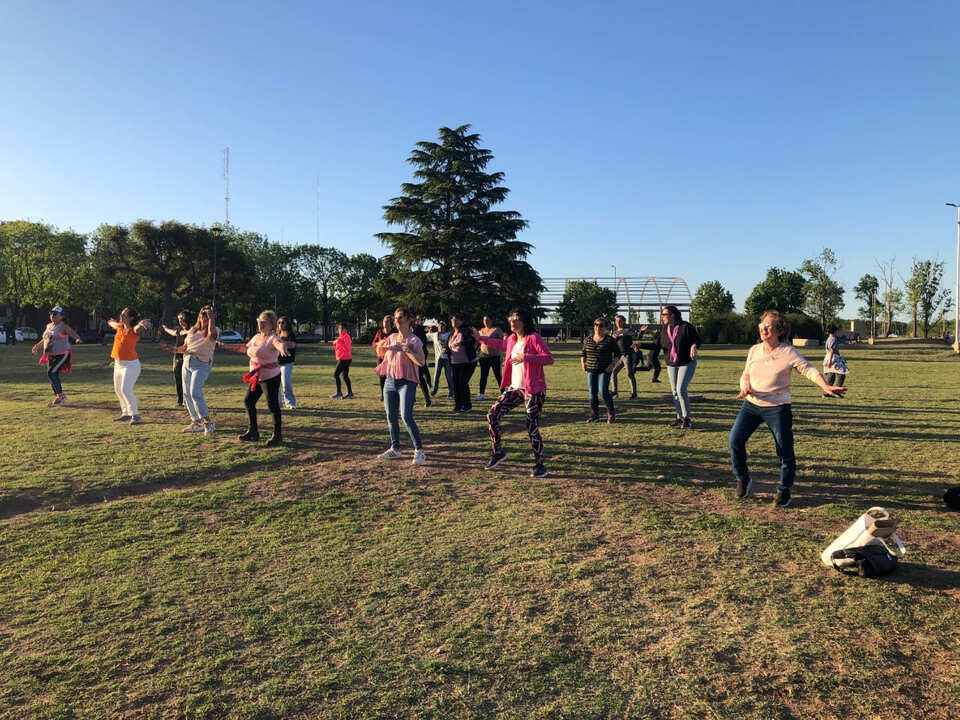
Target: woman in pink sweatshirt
523,382
342,351
765,390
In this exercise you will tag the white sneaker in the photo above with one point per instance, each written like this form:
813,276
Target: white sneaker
419,458
390,454
193,427
481,396
209,427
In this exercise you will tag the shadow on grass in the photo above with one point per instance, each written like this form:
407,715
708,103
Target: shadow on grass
924,577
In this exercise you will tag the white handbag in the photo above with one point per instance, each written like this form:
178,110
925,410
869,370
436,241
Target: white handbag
875,526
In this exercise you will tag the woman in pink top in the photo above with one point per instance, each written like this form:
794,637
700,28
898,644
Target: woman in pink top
523,382
264,350
765,390
342,351
402,357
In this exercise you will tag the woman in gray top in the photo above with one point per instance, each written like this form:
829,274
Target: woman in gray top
57,353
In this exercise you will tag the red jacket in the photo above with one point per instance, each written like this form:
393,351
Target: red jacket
341,347
536,354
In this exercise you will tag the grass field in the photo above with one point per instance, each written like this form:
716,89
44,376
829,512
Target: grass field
147,573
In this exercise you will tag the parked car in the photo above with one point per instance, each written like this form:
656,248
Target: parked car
231,337
89,336
29,333
17,336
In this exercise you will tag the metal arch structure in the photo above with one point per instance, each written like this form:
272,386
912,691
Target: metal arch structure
634,294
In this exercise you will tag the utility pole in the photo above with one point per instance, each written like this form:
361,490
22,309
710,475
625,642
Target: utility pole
226,183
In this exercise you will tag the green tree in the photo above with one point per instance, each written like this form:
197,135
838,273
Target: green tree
454,251
583,301
780,290
710,300
40,265
866,290
924,293
823,296
323,267
360,298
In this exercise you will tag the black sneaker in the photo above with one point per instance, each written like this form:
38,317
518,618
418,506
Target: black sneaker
592,417
539,471
249,436
276,440
687,425
495,459
634,396
783,498
678,423
744,487
655,380
611,418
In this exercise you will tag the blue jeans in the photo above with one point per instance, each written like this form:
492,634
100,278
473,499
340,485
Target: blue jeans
444,364
779,419
680,377
54,364
195,374
398,399
599,383
286,383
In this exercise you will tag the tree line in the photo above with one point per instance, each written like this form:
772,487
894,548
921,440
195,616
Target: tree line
452,250
812,298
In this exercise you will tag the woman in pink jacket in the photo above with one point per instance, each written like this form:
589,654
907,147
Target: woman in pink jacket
342,351
525,354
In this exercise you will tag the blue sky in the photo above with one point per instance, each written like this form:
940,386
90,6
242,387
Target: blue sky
709,140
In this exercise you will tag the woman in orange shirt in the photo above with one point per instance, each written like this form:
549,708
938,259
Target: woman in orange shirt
126,364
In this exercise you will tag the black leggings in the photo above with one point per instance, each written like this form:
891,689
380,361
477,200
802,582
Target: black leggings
461,385
424,373
343,368
273,402
488,363
835,378
178,374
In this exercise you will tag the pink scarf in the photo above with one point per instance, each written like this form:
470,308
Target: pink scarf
672,334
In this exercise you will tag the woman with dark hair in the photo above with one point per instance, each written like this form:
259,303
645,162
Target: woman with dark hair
599,356
834,366
441,353
286,333
526,353
185,320
765,391
628,358
264,350
463,359
57,353
680,342
343,352
403,354
126,365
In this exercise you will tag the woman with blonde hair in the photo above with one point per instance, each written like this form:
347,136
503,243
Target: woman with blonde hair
126,365
765,391
264,350
197,351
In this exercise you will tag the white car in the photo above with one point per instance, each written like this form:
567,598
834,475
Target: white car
230,337
28,333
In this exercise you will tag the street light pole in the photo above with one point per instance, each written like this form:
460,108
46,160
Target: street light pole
216,230
956,289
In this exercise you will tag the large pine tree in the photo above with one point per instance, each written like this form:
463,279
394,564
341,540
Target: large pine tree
455,252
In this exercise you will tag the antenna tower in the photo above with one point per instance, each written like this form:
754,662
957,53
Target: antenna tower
226,183
318,209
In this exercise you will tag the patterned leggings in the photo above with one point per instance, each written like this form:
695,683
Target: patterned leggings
533,404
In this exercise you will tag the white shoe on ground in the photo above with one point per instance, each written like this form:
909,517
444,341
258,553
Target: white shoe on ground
193,427
391,454
209,428
419,458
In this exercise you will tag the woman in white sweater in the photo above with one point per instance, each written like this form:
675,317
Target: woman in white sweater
765,390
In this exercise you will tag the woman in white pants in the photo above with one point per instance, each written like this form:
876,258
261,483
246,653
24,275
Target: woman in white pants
126,364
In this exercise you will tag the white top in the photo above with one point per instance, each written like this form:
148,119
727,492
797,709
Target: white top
516,378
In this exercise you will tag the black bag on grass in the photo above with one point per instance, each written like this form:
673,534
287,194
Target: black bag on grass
870,561
952,497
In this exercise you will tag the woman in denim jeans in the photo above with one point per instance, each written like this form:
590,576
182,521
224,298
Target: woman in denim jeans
765,391
197,350
599,356
680,342
402,357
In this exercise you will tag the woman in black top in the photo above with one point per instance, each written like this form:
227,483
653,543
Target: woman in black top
186,320
628,360
463,359
600,355
285,332
680,342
